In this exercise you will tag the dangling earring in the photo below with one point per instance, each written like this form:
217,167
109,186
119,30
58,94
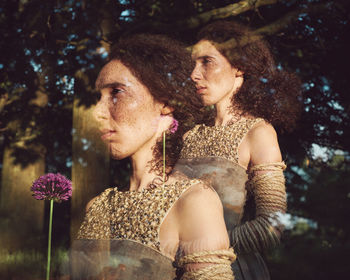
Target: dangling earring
172,129
163,157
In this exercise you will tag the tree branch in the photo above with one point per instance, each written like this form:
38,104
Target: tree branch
274,27
203,18
224,12
287,19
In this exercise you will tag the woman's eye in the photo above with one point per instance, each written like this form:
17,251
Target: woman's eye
114,94
97,96
116,90
206,61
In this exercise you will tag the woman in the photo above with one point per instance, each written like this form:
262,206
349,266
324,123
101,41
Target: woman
237,150
138,234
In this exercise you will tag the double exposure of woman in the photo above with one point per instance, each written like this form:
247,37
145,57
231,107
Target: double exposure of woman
164,226
237,150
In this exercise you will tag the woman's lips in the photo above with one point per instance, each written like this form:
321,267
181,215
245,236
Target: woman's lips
200,90
107,134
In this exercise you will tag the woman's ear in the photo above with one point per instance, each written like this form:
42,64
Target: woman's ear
239,73
239,78
166,110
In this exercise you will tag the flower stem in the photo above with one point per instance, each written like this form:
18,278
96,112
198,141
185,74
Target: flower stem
49,244
163,157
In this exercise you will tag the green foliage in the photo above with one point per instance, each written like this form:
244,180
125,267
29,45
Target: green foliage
51,52
30,265
317,247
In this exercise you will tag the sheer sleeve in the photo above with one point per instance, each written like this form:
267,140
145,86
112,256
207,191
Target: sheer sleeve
204,251
267,184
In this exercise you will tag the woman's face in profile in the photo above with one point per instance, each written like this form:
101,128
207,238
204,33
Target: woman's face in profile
127,113
214,76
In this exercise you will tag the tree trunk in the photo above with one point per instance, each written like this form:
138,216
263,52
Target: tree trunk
90,171
24,215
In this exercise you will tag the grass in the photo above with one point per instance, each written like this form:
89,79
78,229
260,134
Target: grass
31,264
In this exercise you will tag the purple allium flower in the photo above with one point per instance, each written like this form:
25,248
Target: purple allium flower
174,126
52,186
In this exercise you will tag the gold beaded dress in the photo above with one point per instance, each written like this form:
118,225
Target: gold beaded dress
119,237
211,154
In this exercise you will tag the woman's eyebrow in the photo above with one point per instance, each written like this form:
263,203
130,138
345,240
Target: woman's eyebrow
204,57
109,85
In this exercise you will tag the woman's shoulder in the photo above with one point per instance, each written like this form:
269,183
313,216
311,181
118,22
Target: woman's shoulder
198,195
198,203
192,131
261,127
263,144
200,218
99,198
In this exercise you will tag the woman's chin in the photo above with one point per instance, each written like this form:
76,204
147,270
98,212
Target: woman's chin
118,155
207,101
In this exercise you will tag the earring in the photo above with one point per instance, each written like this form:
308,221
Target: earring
173,127
163,157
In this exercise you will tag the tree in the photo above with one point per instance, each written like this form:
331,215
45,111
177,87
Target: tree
51,52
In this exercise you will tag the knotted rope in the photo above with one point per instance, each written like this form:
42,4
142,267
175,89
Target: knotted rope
219,265
267,184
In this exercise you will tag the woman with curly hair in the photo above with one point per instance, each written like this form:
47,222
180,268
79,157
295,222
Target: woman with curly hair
237,149
164,218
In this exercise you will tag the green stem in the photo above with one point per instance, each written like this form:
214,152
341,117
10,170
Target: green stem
49,245
163,157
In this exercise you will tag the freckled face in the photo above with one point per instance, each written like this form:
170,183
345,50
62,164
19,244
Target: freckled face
127,112
214,76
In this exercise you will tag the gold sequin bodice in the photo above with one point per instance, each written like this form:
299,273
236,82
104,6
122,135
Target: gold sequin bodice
210,153
217,141
132,215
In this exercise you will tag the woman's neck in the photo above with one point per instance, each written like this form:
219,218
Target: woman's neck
224,112
142,175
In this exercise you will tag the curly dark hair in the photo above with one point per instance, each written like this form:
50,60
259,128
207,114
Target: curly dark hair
164,66
267,91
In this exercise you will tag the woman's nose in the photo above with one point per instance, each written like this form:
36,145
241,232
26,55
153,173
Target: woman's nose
100,111
196,74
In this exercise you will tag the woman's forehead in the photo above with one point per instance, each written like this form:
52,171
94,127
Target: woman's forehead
114,72
204,47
